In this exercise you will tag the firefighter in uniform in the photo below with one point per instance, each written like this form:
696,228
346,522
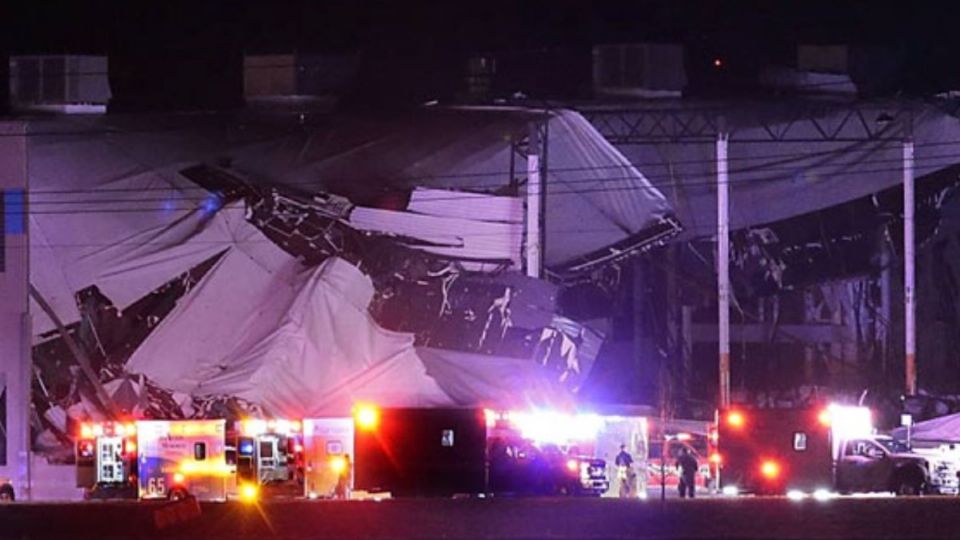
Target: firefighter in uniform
688,473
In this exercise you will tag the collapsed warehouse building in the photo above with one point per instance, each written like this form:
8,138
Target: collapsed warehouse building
218,265
816,221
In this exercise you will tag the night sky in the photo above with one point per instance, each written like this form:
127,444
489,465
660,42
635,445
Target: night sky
416,50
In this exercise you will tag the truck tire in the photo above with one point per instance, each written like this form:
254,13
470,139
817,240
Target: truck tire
6,493
178,494
908,482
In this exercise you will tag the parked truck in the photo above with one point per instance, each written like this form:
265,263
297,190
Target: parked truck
814,451
469,451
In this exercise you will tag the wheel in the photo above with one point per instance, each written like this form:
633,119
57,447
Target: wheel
6,493
909,483
178,494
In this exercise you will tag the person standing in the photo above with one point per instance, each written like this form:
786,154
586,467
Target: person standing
687,464
624,463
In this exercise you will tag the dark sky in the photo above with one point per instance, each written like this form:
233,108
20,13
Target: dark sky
328,25
426,41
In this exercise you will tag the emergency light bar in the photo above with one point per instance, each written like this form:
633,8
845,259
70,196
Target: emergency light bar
254,427
92,430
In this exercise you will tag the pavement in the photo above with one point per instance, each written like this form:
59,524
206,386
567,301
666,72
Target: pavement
515,519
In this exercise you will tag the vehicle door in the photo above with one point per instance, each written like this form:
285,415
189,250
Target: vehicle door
877,467
853,465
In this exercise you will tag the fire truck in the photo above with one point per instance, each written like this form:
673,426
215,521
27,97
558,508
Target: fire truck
815,451
450,452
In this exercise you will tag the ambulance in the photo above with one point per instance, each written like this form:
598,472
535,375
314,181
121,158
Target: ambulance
153,459
328,457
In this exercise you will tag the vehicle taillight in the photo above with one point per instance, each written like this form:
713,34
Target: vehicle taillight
735,419
770,469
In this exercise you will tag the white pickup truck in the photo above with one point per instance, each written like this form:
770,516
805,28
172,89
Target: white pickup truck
879,463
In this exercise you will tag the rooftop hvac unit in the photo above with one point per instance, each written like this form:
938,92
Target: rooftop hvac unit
58,80
640,70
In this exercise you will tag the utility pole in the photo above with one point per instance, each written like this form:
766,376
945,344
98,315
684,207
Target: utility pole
535,197
723,265
909,262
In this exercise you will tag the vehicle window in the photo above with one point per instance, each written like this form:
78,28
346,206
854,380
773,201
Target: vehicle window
800,441
894,446
266,449
872,451
200,451
656,450
853,448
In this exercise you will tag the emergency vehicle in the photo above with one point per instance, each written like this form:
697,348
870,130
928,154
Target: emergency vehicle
268,455
448,452
813,451
6,490
668,440
153,459
328,457
180,458
106,457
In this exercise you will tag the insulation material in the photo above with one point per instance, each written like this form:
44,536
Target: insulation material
104,192
472,150
456,238
296,341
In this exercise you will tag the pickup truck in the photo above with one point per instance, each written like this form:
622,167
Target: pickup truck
877,463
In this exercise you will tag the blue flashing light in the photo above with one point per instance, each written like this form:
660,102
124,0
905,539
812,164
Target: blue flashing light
212,203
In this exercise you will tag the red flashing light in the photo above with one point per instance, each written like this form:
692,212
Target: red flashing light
735,419
715,458
298,448
770,469
129,447
86,449
684,436
573,465
825,418
367,417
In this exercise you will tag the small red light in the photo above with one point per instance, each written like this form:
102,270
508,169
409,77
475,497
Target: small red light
573,465
825,417
129,447
298,448
735,419
715,458
717,63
